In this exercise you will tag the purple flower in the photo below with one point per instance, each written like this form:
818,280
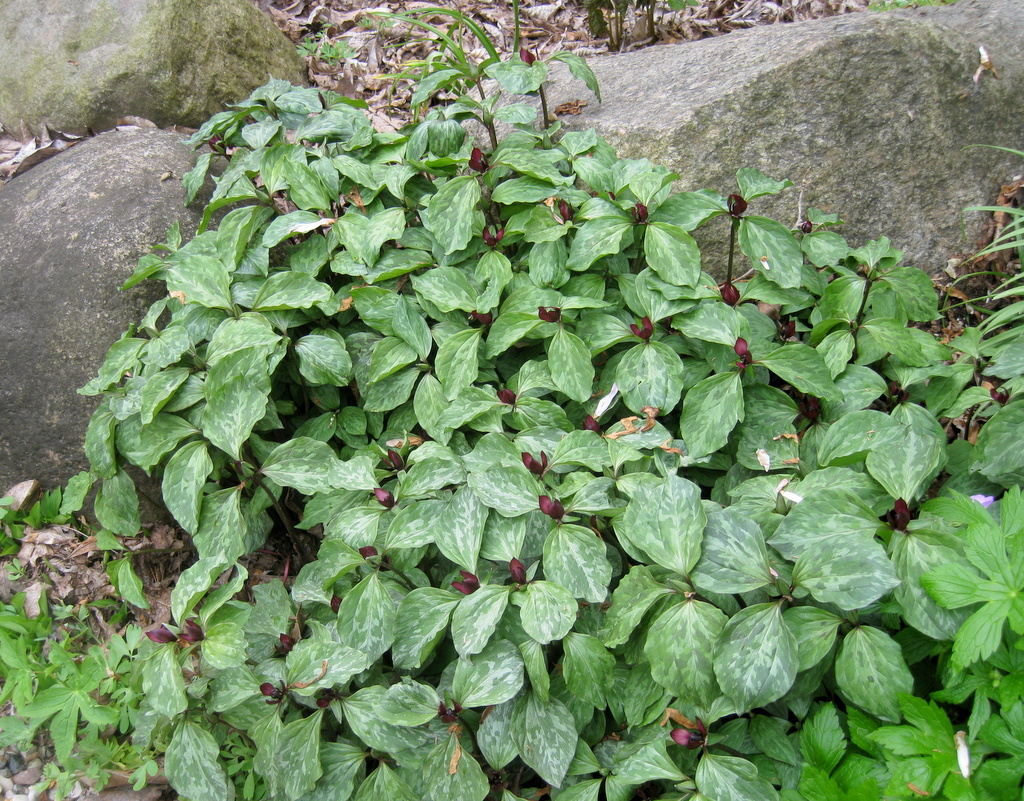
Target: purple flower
644,330
590,424
549,314
552,509
384,498
162,635
477,160
730,294
506,396
518,571
191,632
469,584
526,56
736,205
984,500
639,213
533,465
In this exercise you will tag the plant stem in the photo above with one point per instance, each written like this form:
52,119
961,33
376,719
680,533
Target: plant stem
732,247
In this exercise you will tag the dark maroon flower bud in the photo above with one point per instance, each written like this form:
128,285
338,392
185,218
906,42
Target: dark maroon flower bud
681,736
898,393
526,55
469,584
477,160
323,702
549,314
590,424
336,600
484,318
810,407
788,329
1000,396
611,196
518,571
565,211
287,643
384,498
899,516
191,632
640,213
274,693
536,467
393,460
552,509
448,714
730,294
805,227
367,551
492,239
736,205
162,635
644,330
506,396
743,352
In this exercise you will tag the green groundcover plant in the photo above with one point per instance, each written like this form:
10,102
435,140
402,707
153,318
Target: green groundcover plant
565,516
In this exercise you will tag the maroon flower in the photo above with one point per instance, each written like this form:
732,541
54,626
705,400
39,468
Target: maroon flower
506,396
565,211
743,352
469,584
478,161
552,509
393,460
640,213
787,330
1000,396
518,571
644,330
899,516
336,601
448,714
730,294
810,407
162,635
484,318
590,424
549,314
384,498
736,205
690,739
805,226
491,240
286,644
274,693
538,468
367,551
191,632
527,56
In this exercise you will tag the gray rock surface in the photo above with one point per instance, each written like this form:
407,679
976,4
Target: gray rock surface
71,231
78,63
869,112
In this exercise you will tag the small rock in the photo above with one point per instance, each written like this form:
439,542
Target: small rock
5,772
6,786
25,494
30,775
33,794
15,763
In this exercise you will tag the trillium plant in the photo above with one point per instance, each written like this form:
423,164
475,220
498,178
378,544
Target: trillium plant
563,515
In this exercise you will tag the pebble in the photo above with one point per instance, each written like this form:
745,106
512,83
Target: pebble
31,774
15,763
7,786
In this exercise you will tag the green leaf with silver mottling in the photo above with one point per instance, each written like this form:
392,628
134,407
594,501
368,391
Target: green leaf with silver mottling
680,647
756,657
871,672
493,676
545,735
666,520
548,611
366,617
192,764
729,778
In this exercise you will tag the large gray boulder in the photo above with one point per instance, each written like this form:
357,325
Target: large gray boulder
78,63
869,112
71,231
